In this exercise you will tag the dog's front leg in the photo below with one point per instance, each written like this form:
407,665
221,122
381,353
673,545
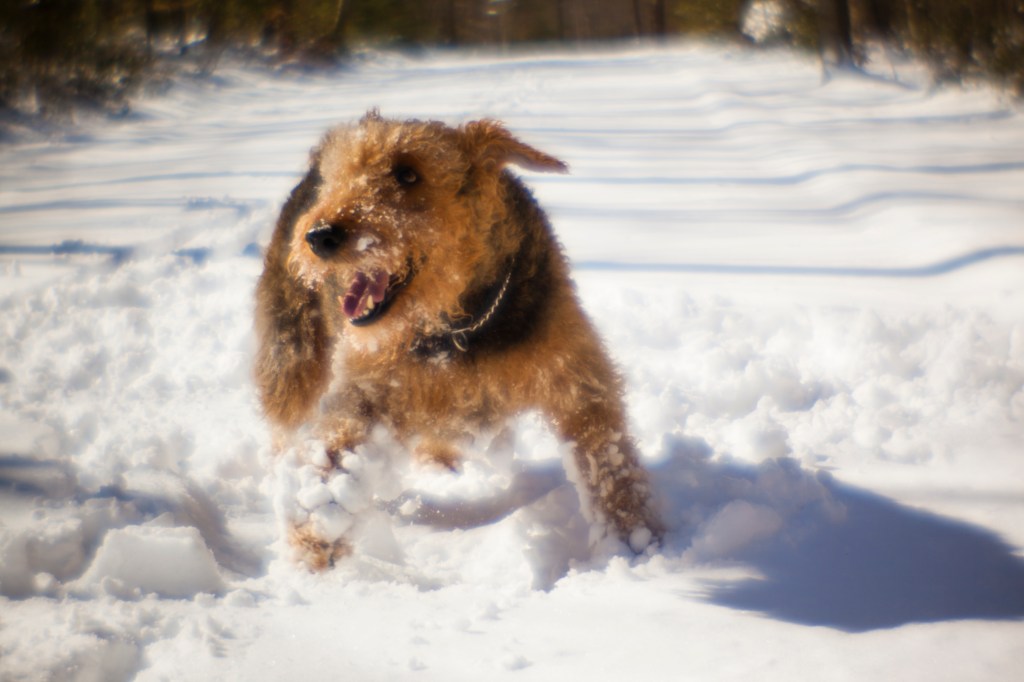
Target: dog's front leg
346,417
333,487
615,490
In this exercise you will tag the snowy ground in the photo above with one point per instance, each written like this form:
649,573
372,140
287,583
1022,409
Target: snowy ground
814,288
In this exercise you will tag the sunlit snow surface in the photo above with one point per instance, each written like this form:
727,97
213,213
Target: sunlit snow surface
814,287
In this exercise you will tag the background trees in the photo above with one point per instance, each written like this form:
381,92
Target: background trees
55,54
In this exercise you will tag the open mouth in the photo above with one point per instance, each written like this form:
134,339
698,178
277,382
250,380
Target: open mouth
369,296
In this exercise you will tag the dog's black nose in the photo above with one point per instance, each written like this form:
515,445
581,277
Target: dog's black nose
325,239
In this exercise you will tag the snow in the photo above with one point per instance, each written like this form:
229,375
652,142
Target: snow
170,562
813,286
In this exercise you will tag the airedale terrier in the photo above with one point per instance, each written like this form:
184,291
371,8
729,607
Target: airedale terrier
412,281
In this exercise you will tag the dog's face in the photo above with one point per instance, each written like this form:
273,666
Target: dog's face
407,218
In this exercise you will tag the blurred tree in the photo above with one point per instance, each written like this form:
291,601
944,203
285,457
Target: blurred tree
835,33
167,18
58,54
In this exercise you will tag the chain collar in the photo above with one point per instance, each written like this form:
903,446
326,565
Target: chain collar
459,337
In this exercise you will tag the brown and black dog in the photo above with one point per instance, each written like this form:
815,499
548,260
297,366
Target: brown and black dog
413,282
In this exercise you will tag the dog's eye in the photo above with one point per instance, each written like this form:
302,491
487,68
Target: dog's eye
406,175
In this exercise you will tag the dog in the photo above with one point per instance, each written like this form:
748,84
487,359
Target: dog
412,281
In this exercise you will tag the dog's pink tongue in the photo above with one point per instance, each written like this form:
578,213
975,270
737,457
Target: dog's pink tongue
364,293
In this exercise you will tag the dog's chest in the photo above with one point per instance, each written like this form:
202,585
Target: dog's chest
423,395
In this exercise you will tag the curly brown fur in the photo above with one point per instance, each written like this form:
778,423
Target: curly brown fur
414,282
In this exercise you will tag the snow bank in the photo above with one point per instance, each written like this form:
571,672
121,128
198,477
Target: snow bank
171,562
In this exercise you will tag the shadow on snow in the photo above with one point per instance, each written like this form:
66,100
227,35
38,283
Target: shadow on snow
930,270
200,255
833,555
884,566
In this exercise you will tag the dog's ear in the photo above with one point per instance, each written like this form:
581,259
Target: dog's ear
292,367
372,115
491,146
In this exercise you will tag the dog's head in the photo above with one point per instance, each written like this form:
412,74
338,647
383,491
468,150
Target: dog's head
407,217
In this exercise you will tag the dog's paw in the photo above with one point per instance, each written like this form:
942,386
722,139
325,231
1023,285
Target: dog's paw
327,502
314,550
320,500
